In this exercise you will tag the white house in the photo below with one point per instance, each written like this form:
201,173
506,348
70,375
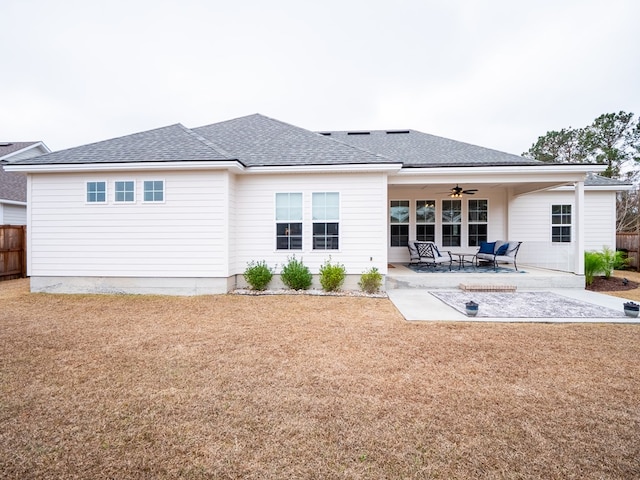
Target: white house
13,186
182,211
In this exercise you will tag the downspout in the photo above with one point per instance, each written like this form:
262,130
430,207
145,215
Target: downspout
579,229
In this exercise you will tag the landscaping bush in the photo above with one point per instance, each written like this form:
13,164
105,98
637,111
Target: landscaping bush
592,265
295,275
370,281
332,276
258,275
612,260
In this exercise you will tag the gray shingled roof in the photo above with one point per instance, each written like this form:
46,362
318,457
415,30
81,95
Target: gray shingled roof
595,180
9,147
167,144
417,149
262,141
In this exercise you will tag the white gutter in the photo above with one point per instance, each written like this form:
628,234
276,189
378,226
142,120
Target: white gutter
13,202
365,167
93,167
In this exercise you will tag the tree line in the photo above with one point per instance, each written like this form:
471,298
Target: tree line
613,139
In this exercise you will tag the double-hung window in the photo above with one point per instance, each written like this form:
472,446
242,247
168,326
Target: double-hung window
125,191
561,223
289,221
426,220
451,223
478,219
326,215
153,191
96,192
399,222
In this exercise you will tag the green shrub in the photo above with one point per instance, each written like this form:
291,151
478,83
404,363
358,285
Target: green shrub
370,281
332,276
593,264
258,275
611,260
295,275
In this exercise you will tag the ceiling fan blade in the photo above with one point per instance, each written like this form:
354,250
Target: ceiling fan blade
470,192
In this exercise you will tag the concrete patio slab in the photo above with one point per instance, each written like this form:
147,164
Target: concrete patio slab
417,304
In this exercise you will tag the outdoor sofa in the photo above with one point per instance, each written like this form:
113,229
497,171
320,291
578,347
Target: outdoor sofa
499,252
428,253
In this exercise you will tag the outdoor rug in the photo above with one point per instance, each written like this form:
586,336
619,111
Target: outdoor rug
526,305
421,268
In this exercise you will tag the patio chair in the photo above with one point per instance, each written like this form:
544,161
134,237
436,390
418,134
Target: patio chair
428,253
499,252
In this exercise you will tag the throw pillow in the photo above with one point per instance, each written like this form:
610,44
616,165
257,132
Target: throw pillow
487,247
502,250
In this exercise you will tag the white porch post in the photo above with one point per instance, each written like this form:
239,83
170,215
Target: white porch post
579,228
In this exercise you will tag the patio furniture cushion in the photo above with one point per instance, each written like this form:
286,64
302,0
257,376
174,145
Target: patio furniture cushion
502,250
487,247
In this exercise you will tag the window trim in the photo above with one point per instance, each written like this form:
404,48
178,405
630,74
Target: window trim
288,221
96,202
475,222
407,223
561,215
325,221
115,192
164,191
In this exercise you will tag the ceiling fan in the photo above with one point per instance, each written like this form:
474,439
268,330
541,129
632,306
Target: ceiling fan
457,191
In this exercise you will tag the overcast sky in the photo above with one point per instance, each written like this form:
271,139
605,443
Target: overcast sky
496,73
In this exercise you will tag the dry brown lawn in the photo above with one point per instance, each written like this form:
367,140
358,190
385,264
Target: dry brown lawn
232,387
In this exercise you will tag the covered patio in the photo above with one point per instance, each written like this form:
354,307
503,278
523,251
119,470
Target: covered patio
400,276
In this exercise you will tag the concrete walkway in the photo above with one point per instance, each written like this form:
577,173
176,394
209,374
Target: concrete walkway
418,304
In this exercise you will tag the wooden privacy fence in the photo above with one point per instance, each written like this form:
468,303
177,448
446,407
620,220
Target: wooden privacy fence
629,243
13,252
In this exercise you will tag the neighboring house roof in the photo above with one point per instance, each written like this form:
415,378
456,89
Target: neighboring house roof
167,144
257,140
417,149
13,185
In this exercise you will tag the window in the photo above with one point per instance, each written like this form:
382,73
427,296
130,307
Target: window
478,218
561,223
153,191
96,192
325,214
426,220
399,220
451,223
125,191
289,221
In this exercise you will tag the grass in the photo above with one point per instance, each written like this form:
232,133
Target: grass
232,387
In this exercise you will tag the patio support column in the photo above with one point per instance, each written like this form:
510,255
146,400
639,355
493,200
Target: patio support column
579,228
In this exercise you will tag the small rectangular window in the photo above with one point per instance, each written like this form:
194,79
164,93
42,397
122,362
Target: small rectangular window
153,191
478,216
561,223
399,222
451,223
125,191
289,221
325,213
425,220
96,192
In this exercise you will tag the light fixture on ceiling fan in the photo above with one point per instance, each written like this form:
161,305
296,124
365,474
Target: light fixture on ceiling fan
458,191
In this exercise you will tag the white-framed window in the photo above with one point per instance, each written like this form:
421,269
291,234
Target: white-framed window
426,220
153,191
97,192
399,222
289,221
560,223
478,220
325,208
451,223
124,191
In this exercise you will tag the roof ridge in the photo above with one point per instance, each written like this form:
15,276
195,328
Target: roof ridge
207,142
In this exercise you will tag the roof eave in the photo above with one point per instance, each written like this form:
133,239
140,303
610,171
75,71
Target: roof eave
232,165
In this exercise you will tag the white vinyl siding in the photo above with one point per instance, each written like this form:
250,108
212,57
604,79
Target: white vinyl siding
13,214
362,220
184,237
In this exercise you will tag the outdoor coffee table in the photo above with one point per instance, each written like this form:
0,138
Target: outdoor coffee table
462,258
